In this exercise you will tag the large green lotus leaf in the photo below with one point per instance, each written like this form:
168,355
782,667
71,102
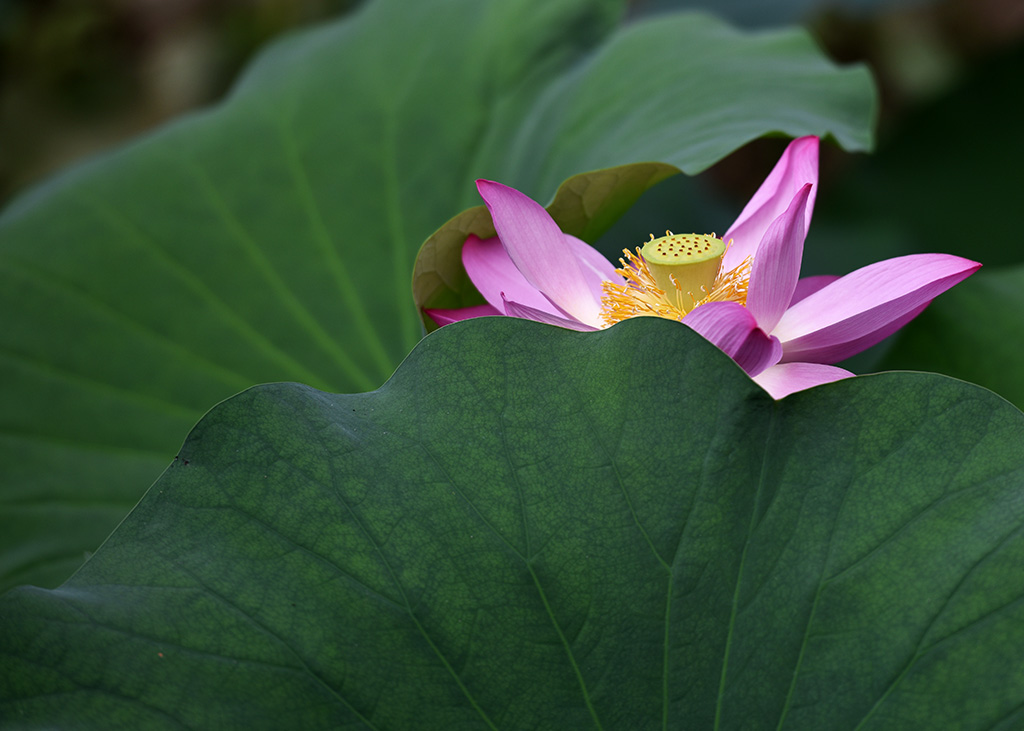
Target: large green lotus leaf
528,527
974,332
273,237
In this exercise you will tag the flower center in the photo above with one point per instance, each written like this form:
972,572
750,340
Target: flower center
687,262
672,276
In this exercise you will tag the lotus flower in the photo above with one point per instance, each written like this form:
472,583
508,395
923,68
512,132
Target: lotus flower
741,291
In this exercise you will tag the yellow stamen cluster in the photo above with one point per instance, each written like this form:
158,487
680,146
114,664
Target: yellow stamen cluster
639,295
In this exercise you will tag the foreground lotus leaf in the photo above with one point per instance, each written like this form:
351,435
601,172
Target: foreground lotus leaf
529,527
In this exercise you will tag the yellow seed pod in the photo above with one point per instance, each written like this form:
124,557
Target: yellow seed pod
687,262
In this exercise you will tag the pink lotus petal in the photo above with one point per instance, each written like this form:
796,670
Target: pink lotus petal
493,274
515,309
596,268
865,306
537,248
797,167
731,327
841,351
786,378
776,267
809,285
447,317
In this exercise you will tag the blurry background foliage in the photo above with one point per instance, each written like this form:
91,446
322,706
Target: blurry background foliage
77,78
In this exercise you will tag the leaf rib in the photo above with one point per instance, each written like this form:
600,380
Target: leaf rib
117,221
79,445
400,258
921,650
527,561
87,300
762,480
459,491
822,582
926,510
668,595
527,553
408,605
302,315
56,373
90,689
621,483
322,238
267,632
1009,717
665,652
318,558
163,642
566,646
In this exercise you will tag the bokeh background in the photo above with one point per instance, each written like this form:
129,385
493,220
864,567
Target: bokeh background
79,77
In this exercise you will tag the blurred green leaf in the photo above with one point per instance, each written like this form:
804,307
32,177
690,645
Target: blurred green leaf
528,527
273,237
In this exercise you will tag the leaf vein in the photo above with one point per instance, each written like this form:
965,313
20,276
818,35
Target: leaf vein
291,302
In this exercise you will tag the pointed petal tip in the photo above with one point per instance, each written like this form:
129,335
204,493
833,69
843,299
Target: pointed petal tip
804,149
807,142
796,168
951,262
776,268
524,312
561,268
785,378
860,309
801,156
